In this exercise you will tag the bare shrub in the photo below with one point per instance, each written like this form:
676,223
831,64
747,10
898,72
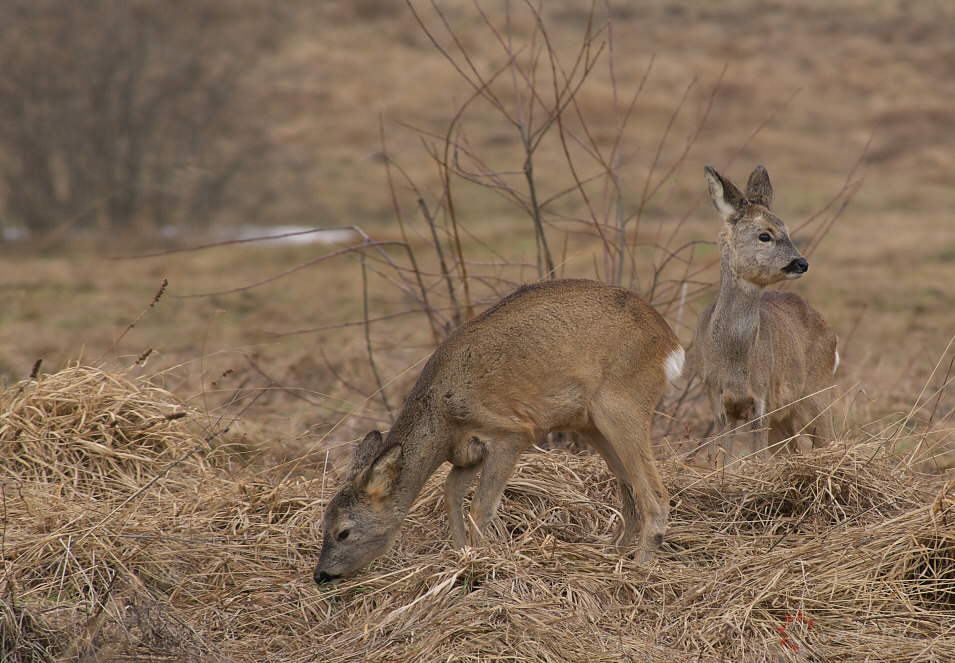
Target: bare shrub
533,93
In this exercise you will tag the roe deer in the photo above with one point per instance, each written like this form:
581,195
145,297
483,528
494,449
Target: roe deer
557,355
764,356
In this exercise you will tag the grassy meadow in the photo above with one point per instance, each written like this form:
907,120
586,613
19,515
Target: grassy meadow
165,471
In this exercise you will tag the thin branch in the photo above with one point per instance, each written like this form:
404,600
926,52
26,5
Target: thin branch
156,298
368,346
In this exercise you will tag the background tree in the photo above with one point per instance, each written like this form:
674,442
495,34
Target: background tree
123,115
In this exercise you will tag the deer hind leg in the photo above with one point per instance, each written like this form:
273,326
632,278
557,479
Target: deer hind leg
624,426
627,529
652,499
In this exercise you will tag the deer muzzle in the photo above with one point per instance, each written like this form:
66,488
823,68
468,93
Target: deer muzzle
322,578
797,266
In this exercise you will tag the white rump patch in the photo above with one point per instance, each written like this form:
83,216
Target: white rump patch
836,365
673,364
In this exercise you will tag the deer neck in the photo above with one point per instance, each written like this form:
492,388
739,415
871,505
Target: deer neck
735,321
418,432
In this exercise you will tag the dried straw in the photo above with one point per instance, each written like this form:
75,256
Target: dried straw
89,429
113,550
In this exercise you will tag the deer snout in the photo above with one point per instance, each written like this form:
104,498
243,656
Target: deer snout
797,266
321,578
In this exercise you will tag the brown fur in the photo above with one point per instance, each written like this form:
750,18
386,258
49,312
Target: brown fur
576,355
765,357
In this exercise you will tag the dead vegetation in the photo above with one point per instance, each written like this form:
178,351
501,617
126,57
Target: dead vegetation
120,540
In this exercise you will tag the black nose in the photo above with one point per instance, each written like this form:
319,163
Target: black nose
797,266
321,577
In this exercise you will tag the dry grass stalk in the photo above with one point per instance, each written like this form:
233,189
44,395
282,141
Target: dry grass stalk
841,554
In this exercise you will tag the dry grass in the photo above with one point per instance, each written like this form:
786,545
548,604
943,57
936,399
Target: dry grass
89,430
120,543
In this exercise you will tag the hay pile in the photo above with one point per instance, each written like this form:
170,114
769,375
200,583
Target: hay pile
121,541
89,430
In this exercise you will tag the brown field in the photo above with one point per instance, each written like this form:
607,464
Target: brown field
109,554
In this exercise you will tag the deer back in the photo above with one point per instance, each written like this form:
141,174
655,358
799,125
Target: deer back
540,355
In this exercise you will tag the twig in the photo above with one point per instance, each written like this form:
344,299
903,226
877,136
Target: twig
423,292
368,346
156,298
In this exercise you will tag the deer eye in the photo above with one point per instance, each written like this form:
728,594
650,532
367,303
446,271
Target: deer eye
343,535
765,237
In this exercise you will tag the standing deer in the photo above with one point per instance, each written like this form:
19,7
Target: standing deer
765,356
559,355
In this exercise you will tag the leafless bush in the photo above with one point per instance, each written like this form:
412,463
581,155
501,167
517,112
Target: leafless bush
117,115
533,93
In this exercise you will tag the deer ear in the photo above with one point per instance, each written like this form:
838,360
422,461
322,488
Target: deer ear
365,453
758,189
726,198
379,479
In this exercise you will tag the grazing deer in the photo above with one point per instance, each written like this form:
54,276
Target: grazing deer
559,355
765,356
